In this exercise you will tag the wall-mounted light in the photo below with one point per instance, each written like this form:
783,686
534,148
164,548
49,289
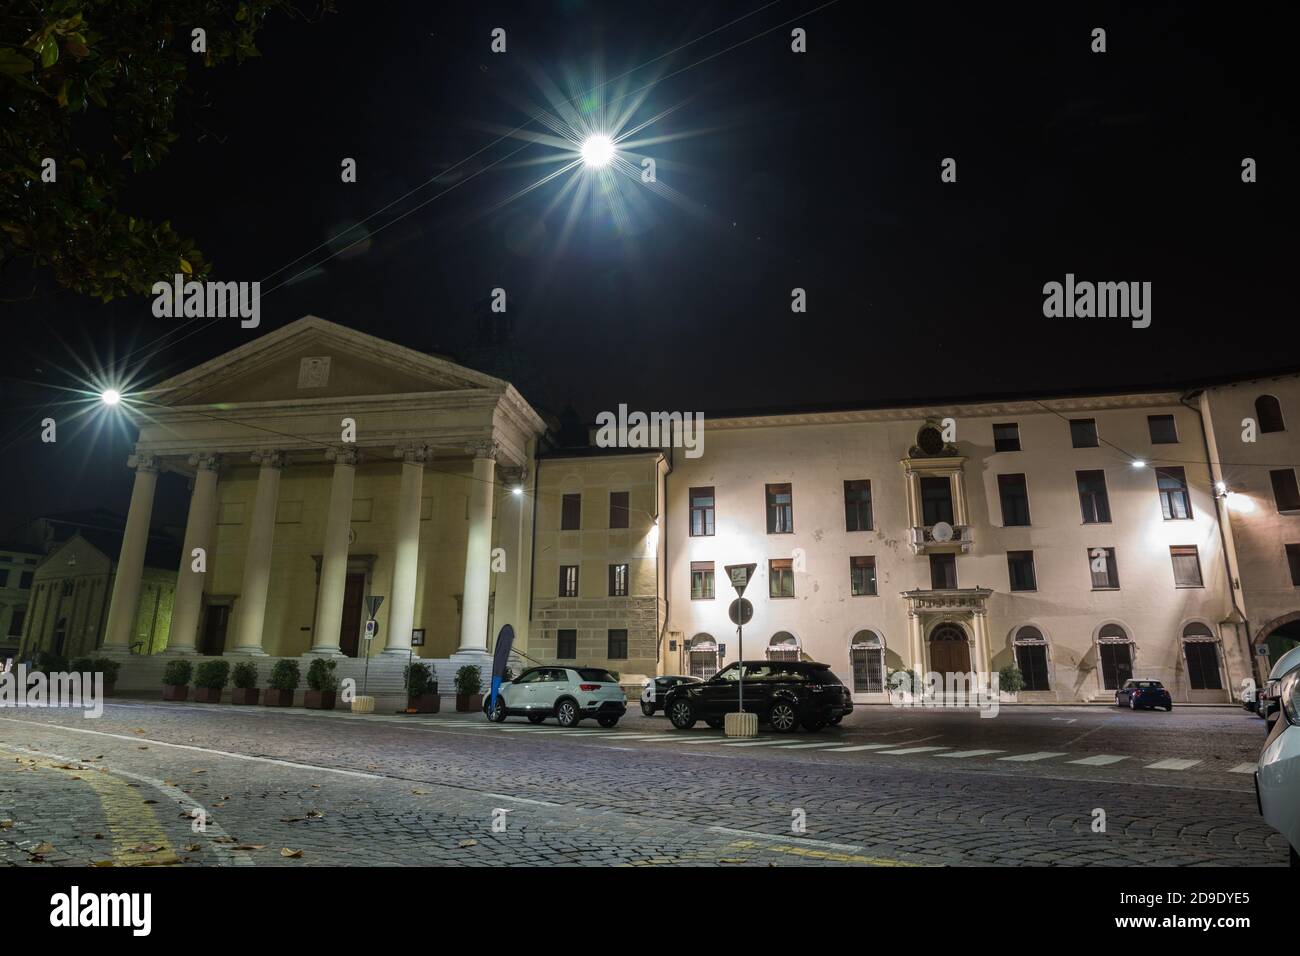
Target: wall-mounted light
1138,463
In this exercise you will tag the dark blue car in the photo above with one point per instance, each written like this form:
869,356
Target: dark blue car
1144,693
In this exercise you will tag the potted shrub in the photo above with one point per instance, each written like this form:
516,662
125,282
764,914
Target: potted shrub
421,689
285,678
176,680
904,687
1010,682
48,662
469,688
321,685
109,668
244,677
210,679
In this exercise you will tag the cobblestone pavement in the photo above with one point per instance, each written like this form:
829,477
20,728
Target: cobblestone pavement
889,787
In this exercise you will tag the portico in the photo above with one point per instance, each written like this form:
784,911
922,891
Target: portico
327,465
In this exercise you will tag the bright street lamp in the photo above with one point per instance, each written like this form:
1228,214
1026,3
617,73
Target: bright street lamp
597,151
110,396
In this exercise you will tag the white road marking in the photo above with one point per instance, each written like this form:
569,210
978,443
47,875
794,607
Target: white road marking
205,750
1101,760
779,836
962,754
1040,755
844,750
1172,763
749,743
536,803
804,746
913,750
1243,768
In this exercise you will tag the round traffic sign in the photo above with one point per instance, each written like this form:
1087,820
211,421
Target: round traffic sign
740,611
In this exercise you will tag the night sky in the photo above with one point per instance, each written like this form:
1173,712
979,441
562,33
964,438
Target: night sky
816,170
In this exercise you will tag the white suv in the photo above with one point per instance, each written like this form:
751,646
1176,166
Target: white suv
1277,779
568,694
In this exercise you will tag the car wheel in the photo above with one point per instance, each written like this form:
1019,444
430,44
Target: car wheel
536,718
495,714
1132,704
647,708
782,717
607,721
566,712
1170,708
716,723
682,714
1117,703
835,721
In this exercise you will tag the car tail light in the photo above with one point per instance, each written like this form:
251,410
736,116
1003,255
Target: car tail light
588,687
815,688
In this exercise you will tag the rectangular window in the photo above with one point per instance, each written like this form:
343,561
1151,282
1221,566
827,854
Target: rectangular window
1093,500
1292,559
1020,568
1163,430
943,572
25,581
618,509
936,501
1187,566
566,645
1006,437
701,580
1105,573
1083,432
618,580
617,644
780,578
1173,493
16,622
857,505
1285,492
701,512
1015,500
862,573
780,509
571,513
568,580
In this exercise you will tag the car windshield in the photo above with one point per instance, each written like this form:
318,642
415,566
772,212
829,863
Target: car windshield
597,674
1148,684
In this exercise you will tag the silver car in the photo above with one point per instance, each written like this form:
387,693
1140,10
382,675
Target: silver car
1277,778
569,694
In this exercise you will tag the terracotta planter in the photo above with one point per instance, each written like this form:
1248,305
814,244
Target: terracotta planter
318,699
207,695
278,698
176,691
425,703
244,695
469,702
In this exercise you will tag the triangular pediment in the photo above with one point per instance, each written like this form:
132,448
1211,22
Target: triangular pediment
312,358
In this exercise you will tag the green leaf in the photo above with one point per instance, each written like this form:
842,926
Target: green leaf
13,61
49,52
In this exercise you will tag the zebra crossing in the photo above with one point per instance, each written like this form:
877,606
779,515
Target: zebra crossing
896,749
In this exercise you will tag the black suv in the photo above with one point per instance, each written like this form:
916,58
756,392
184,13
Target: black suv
784,694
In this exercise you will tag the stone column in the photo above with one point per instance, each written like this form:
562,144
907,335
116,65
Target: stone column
130,562
406,554
257,554
334,555
189,583
478,553
916,639
983,659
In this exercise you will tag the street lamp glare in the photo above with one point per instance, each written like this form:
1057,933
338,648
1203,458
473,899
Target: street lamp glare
110,396
597,151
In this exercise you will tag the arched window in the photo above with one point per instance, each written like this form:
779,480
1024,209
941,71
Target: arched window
868,656
1202,652
703,656
784,646
1268,412
1031,657
1115,648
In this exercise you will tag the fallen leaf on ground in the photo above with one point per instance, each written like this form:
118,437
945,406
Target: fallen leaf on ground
291,854
418,793
6,824
103,863
199,771
144,848
43,847
251,846
194,848
315,813
138,730
468,843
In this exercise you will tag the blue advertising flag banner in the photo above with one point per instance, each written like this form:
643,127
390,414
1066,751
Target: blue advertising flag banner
505,641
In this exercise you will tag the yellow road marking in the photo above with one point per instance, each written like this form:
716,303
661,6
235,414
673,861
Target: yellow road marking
131,822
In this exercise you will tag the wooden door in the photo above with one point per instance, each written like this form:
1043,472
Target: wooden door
215,620
353,593
949,651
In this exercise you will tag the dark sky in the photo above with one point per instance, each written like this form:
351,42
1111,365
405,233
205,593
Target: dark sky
818,170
